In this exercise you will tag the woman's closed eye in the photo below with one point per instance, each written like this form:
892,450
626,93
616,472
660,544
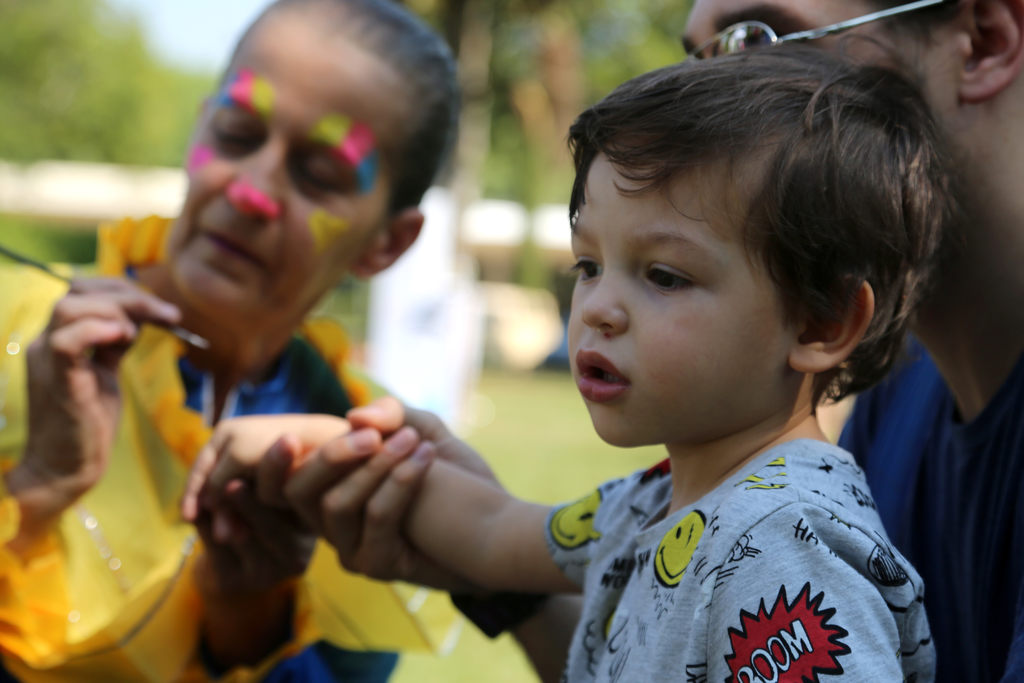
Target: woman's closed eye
667,280
318,173
235,135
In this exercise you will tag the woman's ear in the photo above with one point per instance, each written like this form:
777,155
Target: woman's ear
390,243
996,29
822,346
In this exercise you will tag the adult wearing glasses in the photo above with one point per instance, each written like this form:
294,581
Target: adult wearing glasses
943,440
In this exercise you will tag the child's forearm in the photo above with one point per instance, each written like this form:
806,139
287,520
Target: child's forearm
477,529
312,430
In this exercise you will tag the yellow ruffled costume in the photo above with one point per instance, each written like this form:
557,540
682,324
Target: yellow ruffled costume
111,596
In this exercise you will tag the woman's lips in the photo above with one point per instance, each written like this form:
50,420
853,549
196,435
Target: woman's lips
233,248
597,378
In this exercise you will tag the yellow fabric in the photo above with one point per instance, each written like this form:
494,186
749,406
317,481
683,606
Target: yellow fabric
112,596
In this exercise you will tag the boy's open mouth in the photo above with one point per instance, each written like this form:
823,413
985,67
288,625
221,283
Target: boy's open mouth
592,365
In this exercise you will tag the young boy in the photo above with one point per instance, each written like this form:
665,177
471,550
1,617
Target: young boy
752,234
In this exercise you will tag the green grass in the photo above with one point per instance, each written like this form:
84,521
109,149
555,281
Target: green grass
535,432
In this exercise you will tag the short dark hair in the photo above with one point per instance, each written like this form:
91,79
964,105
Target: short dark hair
422,58
856,185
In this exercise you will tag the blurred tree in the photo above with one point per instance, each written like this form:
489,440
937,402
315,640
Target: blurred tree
528,67
77,81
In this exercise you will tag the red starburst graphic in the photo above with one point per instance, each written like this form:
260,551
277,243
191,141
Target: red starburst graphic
659,470
793,642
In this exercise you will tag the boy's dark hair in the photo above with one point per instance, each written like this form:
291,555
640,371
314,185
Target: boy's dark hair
422,58
855,185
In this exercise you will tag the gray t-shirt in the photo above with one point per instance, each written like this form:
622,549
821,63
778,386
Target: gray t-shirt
782,573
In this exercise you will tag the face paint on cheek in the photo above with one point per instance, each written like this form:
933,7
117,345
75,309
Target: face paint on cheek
326,227
198,157
353,143
249,91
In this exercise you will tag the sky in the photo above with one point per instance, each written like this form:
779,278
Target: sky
197,34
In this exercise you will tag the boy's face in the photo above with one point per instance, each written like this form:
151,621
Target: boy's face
289,181
676,337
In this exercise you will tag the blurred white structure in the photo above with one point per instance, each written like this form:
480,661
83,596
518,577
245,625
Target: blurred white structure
88,193
425,328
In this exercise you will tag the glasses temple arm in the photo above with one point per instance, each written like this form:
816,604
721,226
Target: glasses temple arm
851,23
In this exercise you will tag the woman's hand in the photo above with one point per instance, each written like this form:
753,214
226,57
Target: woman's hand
361,512
240,449
73,397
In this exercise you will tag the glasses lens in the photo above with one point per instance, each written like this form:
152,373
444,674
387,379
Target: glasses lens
737,38
743,37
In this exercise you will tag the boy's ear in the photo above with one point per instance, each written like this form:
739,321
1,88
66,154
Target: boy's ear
822,346
996,33
397,236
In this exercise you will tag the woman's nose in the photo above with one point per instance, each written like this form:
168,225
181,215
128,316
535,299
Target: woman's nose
260,180
251,201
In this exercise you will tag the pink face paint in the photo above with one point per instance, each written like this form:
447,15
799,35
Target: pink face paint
248,91
251,201
353,143
199,157
325,228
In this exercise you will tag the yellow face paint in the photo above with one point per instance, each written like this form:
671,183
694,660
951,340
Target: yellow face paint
352,142
326,228
331,130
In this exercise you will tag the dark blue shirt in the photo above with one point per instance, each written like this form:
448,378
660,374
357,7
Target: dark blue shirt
951,496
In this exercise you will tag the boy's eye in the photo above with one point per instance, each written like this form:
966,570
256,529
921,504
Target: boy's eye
586,269
666,279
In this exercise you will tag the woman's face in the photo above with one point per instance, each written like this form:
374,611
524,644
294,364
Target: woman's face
289,176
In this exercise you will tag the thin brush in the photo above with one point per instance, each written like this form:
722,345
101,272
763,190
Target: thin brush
178,331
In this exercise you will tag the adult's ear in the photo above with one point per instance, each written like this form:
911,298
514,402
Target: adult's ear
996,33
822,346
391,242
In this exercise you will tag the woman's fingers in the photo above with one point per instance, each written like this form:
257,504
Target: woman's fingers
341,461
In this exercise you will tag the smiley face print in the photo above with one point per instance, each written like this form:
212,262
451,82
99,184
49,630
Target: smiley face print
676,549
573,525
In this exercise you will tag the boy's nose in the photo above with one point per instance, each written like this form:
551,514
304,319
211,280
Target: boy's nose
251,201
603,311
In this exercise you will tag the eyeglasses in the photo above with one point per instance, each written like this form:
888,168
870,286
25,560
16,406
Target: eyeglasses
752,34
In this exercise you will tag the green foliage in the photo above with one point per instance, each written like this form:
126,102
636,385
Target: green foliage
617,41
77,81
48,243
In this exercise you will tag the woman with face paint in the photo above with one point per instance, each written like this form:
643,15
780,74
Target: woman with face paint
306,166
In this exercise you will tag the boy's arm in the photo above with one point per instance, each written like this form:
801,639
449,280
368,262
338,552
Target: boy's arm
477,529
364,515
